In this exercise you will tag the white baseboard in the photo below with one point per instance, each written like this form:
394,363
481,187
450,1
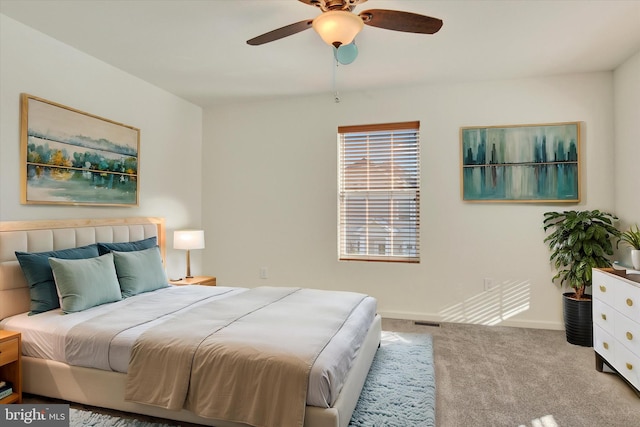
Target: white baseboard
427,317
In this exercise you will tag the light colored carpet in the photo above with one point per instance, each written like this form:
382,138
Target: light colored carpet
400,389
499,376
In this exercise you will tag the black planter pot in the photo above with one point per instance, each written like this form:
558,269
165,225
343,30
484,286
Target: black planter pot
578,320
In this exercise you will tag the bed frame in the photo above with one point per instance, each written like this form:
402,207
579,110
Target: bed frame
106,388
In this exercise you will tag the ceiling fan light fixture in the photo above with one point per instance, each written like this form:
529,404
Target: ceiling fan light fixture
338,27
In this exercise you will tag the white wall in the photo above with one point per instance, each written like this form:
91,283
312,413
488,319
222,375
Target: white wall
171,130
271,181
627,146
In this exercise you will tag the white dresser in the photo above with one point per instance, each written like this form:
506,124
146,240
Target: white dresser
616,323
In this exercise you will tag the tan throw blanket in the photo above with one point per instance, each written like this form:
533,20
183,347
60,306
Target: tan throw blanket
88,343
244,359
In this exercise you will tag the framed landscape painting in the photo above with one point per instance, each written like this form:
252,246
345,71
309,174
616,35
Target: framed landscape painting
70,157
521,163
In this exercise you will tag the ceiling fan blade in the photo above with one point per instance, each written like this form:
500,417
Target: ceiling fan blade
281,32
401,21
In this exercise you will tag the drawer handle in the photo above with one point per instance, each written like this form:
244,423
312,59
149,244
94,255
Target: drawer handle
603,288
604,316
605,345
629,336
629,302
629,366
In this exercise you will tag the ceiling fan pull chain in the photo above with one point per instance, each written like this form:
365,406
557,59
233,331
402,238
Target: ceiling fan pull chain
336,94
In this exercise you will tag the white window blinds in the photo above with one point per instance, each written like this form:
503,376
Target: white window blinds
379,192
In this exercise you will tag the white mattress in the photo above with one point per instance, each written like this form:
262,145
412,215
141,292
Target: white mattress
44,336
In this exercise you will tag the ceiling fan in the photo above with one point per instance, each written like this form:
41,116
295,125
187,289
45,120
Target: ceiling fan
338,25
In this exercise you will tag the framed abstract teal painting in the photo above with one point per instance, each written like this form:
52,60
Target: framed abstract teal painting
70,157
521,163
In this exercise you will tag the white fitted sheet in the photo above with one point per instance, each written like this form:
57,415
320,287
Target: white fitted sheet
44,336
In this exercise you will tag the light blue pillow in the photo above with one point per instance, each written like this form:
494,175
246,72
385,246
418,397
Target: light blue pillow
140,271
85,283
37,271
138,245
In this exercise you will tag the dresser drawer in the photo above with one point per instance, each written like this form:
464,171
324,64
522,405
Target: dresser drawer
8,351
603,315
627,301
604,287
627,332
604,344
628,365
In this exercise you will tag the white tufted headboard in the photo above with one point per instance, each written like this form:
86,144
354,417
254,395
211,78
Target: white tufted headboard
48,235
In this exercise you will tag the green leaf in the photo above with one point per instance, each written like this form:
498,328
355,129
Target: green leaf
588,248
597,250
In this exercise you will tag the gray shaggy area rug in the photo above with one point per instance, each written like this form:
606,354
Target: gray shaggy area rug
400,389
83,418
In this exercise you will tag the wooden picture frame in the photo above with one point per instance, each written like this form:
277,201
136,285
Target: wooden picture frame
69,157
538,163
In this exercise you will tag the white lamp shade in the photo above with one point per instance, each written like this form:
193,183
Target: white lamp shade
338,27
188,239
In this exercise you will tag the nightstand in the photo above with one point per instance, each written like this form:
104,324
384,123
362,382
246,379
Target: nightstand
195,280
11,364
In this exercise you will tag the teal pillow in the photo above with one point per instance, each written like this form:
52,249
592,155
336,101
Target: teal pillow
37,271
140,271
138,245
85,283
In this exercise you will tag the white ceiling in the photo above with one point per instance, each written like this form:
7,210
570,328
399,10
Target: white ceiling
196,48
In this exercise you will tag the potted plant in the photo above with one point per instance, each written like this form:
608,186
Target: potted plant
631,238
579,241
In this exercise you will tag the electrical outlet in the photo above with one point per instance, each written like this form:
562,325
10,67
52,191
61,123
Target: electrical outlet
264,272
489,284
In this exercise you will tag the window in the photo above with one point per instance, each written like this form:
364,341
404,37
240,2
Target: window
379,192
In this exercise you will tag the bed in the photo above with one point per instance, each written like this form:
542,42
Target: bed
51,375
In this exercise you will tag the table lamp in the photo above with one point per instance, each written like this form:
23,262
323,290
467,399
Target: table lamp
188,240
